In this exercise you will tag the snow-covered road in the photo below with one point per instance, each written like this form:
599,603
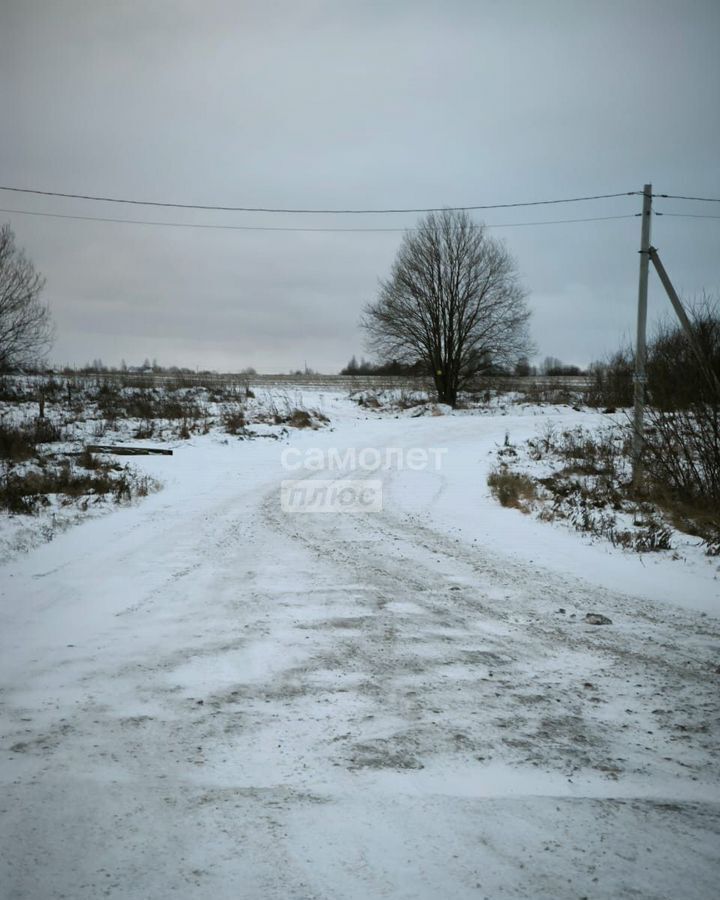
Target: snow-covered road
204,696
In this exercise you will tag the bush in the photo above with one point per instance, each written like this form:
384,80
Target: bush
682,442
514,489
682,439
296,416
611,384
604,454
676,379
682,451
130,403
590,487
27,491
233,420
19,442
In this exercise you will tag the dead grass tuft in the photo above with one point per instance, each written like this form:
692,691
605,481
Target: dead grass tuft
513,489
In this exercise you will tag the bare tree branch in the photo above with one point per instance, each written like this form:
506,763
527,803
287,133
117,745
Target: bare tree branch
25,326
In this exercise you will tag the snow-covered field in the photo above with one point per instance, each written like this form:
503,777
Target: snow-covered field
205,696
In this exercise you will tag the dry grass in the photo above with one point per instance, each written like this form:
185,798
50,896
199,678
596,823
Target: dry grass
233,420
146,404
299,418
700,520
32,475
590,488
512,489
20,442
28,491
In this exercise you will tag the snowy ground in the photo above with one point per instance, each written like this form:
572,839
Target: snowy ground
203,696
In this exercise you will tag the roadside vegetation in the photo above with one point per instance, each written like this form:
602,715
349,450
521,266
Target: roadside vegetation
50,479
582,477
585,478
40,470
496,395
514,489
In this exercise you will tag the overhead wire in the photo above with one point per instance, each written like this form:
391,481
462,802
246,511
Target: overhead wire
24,212
682,197
686,215
338,211
309,211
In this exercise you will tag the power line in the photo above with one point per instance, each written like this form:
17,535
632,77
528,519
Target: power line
680,197
24,212
686,215
267,209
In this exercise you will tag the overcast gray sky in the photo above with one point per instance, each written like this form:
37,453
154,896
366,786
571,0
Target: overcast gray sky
334,103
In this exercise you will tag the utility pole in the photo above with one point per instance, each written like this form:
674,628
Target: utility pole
639,378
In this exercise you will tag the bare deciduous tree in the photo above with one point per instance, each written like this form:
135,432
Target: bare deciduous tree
25,325
453,300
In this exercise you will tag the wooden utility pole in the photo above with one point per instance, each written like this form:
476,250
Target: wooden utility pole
640,378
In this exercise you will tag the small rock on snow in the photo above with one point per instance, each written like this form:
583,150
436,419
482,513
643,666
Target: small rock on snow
597,619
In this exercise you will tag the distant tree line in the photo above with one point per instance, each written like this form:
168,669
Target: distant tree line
365,367
551,366
147,367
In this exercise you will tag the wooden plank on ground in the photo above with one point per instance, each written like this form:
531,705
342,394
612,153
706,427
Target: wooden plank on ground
120,450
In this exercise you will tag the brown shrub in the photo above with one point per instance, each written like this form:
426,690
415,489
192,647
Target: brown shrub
514,489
